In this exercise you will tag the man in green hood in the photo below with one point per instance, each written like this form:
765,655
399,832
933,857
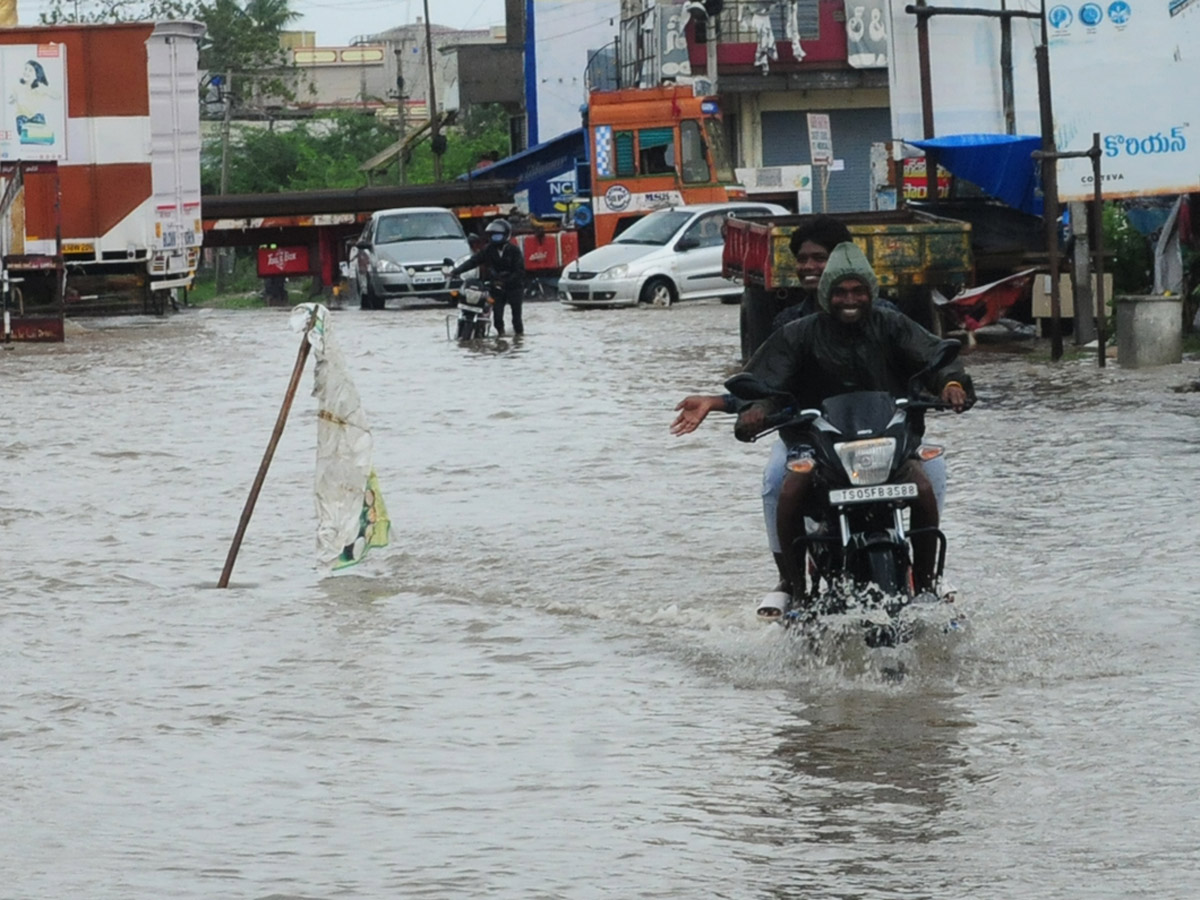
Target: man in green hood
850,345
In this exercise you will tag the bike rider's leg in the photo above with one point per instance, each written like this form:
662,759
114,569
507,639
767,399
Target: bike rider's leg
772,484
517,323
794,500
935,471
922,514
498,314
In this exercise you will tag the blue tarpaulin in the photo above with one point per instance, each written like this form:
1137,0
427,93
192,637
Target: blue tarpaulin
1001,165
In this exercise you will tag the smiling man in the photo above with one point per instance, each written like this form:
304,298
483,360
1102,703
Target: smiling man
852,344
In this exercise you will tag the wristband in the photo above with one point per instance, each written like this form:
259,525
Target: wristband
956,384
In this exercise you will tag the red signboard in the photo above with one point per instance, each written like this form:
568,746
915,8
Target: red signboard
282,261
916,184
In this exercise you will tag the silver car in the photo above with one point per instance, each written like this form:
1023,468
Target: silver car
400,254
668,255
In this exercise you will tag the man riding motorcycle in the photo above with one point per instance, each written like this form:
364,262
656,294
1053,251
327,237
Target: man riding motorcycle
850,345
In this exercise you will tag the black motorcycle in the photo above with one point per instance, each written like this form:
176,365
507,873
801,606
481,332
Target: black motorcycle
859,555
474,304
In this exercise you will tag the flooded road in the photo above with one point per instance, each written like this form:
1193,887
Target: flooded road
552,684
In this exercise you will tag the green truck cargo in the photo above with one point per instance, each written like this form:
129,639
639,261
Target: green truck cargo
910,251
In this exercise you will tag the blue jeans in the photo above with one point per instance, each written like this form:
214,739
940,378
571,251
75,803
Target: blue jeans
776,468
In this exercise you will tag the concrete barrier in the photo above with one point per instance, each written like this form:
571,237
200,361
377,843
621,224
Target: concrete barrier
1149,330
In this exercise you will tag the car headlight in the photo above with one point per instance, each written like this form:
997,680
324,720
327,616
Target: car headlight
615,272
386,265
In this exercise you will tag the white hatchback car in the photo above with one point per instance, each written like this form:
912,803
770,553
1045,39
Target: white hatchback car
668,255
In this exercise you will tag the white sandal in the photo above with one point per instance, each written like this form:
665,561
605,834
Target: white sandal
774,605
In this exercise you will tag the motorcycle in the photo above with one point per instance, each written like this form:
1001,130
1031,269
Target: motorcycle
858,552
474,319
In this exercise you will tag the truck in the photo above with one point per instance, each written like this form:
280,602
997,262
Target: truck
910,251
653,147
100,165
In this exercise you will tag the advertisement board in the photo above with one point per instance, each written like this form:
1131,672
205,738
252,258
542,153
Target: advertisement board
282,261
1127,71
966,83
820,139
915,182
33,89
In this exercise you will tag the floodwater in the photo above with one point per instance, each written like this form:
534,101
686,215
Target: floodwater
551,684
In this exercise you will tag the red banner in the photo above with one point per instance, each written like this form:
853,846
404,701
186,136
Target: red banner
282,261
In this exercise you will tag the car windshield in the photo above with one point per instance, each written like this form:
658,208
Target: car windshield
655,229
418,226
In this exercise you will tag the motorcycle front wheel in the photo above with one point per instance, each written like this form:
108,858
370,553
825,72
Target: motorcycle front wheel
884,570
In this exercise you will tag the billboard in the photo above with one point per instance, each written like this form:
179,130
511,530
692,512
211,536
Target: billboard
965,67
33,89
1127,71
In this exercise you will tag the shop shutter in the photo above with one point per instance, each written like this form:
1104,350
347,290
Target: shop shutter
785,143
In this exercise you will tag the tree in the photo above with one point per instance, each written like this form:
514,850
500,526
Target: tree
326,152
242,44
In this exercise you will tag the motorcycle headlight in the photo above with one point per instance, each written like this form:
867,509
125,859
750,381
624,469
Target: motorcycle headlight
867,462
386,265
615,272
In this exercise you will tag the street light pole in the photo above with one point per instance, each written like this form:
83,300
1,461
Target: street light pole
710,62
431,102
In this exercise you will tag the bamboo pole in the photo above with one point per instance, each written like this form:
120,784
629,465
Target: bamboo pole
248,510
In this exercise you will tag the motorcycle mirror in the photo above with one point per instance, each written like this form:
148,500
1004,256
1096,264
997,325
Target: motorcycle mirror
447,261
747,387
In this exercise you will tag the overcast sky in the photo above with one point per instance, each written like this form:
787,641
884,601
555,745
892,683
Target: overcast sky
340,21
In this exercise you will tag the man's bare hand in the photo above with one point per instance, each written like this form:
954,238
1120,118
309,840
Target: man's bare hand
954,395
694,409
750,422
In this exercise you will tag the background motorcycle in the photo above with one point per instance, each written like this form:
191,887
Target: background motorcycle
859,553
474,319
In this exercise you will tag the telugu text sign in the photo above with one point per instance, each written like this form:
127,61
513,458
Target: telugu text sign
1127,71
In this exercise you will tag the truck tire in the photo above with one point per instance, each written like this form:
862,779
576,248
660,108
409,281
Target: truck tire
759,309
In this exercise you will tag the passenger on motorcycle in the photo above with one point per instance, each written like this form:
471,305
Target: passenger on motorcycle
504,267
851,345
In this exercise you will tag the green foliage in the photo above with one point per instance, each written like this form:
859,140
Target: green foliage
1132,263
326,152
242,44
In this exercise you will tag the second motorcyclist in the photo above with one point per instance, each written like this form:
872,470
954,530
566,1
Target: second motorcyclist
503,266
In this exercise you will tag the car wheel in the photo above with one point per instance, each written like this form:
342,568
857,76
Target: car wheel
658,292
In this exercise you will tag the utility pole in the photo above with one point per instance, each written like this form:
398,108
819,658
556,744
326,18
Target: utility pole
401,97
435,139
226,115
1049,156
226,89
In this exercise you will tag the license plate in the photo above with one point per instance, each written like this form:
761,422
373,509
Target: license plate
428,278
875,492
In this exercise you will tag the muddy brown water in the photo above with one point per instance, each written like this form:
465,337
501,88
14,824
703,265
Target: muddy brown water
551,684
